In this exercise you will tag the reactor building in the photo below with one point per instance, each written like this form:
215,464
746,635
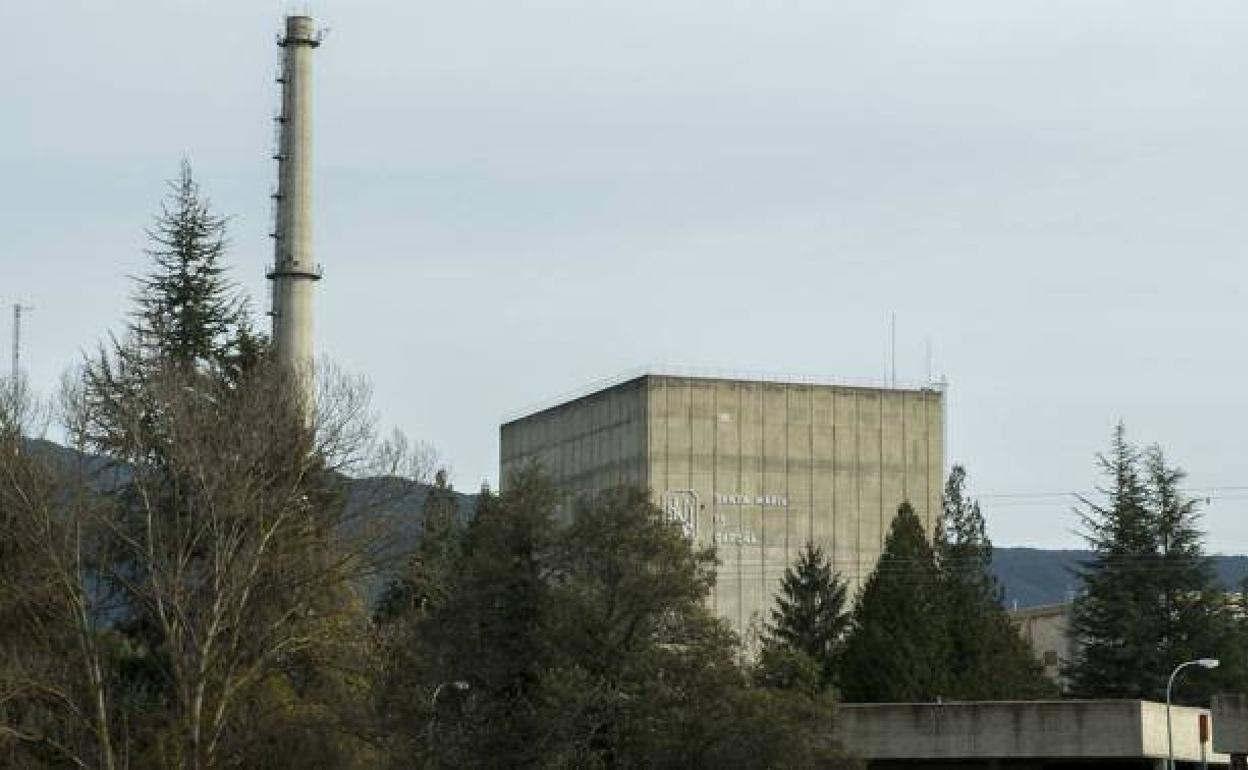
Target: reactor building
754,467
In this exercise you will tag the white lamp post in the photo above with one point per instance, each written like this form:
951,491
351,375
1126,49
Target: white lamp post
1203,663
458,685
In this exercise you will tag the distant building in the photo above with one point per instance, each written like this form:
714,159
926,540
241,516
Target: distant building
754,467
1047,630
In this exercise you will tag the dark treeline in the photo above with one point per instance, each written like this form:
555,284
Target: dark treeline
519,641
926,625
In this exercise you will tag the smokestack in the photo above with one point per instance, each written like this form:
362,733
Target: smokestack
294,272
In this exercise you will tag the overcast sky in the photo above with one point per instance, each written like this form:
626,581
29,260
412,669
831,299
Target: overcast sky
515,198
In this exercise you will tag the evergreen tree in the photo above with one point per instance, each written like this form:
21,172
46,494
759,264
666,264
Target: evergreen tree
426,580
189,320
988,658
1192,616
224,486
1116,652
810,616
187,311
487,634
1150,598
584,640
898,648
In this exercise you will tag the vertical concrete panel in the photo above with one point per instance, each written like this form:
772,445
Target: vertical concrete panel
893,489
848,520
917,482
607,441
935,408
870,492
657,434
679,436
632,445
702,465
775,529
664,404
727,482
823,468
749,520
799,475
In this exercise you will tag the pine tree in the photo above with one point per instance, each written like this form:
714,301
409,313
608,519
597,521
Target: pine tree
187,311
1150,598
810,616
426,581
1116,655
189,320
1193,617
898,648
988,660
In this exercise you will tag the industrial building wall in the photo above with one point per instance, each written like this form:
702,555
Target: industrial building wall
767,466
587,445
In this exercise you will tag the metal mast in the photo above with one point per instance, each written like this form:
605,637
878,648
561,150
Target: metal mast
294,272
18,308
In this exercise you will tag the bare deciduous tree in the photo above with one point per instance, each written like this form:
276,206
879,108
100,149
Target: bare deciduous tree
208,572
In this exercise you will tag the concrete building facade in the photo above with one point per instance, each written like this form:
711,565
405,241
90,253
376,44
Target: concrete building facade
1047,630
755,468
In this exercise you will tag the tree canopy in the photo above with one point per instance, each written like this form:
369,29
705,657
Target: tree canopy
899,647
1150,599
810,614
928,623
586,644
988,659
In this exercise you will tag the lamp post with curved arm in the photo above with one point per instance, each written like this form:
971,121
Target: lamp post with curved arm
1203,663
459,685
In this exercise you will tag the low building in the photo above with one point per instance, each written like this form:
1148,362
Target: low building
1024,735
1047,629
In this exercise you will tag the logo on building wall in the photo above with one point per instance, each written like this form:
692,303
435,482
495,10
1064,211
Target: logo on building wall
681,507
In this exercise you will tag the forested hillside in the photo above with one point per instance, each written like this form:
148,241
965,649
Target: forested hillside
1034,576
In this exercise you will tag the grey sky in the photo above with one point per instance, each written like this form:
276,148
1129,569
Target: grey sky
515,198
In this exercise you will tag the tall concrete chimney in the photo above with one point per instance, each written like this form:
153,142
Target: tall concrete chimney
294,271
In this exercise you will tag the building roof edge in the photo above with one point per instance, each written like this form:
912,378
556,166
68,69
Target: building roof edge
727,375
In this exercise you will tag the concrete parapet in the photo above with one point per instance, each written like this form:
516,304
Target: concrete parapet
1069,729
1230,723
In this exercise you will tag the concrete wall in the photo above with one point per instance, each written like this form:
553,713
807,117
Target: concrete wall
1047,630
756,468
589,444
1230,723
774,465
1019,730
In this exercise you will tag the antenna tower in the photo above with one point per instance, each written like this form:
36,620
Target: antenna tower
18,309
892,349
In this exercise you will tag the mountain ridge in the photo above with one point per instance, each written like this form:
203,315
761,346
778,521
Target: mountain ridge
1031,577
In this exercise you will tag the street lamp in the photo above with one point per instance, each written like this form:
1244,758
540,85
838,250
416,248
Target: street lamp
458,685
1203,663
